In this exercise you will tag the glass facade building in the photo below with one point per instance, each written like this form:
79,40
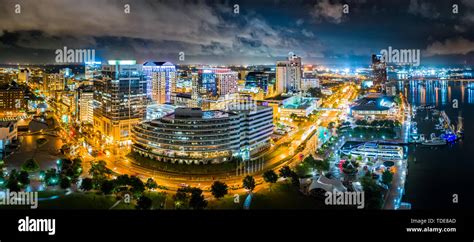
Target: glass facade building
119,99
193,136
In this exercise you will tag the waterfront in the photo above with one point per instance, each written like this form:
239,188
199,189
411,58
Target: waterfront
436,173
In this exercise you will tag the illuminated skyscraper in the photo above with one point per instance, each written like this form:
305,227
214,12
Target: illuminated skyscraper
206,82
23,76
379,70
288,75
92,70
120,98
161,80
85,103
226,81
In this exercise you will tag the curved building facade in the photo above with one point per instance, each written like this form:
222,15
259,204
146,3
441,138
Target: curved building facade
189,136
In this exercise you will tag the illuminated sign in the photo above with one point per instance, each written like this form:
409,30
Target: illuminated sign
122,62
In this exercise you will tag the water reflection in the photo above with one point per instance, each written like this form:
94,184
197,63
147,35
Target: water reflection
437,92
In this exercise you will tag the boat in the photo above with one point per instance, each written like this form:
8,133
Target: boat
375,150
460,126
404,206
435,142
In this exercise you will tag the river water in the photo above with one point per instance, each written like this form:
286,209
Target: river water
437,175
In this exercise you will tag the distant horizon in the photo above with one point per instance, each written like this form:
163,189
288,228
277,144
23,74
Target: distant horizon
353,66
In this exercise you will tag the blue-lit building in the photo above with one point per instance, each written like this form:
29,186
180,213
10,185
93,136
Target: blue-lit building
207,82
374,107
119,99
260,80
161,81
194,136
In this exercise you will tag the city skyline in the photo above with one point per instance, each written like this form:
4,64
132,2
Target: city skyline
240,32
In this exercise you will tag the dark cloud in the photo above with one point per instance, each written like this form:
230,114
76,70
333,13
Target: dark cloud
210,32
326,10
452,46
423,8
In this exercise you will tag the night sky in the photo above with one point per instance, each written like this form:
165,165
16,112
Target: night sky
209,32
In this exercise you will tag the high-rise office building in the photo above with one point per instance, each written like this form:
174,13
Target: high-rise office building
309,80
92,69
161,80
226,81
12,98
23,76
85,103
288,75
120,98
53,82
258,79
206,82
379,70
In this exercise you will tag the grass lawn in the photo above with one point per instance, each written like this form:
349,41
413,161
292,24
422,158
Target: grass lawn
182,168
91,200
227,202
284,196
88,200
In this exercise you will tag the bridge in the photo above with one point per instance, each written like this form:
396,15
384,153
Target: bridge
436,79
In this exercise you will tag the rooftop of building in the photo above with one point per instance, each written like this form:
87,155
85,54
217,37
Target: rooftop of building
157,63
374,102
197,113
278,98
298,102
6,124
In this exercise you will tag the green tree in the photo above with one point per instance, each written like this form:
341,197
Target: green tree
51,177
197,200
373,193
137,186
285,172
86,184
122,180
293,116
30,165
24,179
65,182
3,182
331,125
387,177
107,187
12,182
248,183
322,166
99,172
180,198
271,177
144,203
315,92
219,189
151,184
295,180
397,100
